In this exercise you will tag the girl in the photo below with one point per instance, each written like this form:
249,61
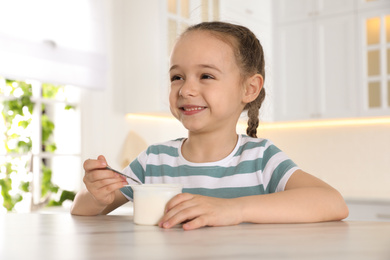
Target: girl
217,71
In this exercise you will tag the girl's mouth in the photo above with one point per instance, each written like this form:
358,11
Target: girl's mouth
190,110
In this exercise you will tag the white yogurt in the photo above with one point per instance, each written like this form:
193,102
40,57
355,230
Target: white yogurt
150,200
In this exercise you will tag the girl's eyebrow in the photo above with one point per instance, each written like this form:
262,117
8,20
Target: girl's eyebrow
173,67
208,66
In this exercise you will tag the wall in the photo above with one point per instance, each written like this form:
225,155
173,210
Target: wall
351,155
103,121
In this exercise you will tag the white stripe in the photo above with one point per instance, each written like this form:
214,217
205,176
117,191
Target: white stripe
238,180
173,143
285,178
142,160
258,151
163,159
248,155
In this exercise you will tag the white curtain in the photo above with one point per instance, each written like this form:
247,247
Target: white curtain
56,41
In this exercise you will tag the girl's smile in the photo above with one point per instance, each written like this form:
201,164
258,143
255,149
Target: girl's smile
192,109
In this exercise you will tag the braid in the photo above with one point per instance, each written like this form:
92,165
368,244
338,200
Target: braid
253,114
253,121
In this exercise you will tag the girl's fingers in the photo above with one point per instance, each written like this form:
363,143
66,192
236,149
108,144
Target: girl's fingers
102,189
181,208
109,188
95,170
98,175
179,198
100,182
91,164
101,158
195,223
106,182
180,217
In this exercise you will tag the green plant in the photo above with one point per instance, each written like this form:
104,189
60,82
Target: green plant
17,115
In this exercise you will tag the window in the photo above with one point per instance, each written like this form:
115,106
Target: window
40,144
377,49
182,13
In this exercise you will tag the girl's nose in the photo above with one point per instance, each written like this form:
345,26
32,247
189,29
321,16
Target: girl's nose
188,89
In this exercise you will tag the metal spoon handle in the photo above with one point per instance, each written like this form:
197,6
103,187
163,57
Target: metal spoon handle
111,169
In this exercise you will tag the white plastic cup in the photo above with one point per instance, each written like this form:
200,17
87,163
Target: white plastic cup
149,201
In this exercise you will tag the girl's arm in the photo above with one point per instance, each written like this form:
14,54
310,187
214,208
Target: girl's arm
85,204
305,199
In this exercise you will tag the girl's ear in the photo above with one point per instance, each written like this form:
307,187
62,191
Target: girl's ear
253,86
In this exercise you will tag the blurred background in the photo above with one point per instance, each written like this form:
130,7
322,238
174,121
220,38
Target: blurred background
89,77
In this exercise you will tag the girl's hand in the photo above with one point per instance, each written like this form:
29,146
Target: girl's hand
199,211
102,183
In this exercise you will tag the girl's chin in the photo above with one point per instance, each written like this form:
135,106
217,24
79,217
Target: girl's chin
191,127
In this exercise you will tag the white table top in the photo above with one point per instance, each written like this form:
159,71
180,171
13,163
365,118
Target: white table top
62,236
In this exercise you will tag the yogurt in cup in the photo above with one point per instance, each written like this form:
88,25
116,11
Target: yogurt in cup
149,201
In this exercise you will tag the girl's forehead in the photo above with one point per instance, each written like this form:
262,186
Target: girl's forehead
198,44
199,36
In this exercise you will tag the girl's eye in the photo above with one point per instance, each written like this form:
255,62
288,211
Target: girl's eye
207,76
176,77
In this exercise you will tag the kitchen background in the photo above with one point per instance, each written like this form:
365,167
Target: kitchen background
327,81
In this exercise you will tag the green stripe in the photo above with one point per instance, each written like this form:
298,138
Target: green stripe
278,174
227,193
268,153
137,169
215,171
163,149
128,191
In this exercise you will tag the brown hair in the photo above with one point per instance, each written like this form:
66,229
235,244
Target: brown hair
250,59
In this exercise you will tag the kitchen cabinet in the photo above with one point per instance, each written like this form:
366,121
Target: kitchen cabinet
332,59
372,4
315,61
374,70
361,210
302,10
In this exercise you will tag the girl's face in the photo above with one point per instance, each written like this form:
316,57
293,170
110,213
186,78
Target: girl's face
206,91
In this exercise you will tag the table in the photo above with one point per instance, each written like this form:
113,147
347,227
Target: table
62,236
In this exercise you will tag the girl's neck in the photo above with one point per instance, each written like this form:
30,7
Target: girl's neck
210,147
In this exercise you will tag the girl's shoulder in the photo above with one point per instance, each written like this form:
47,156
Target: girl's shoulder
255,146
247,141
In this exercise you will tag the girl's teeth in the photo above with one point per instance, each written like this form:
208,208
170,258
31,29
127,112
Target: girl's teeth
193,108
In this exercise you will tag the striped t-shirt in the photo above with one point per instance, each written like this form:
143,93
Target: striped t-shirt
256,166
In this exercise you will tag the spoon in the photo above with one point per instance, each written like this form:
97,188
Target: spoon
111,169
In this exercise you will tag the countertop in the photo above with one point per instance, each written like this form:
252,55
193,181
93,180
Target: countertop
62,236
